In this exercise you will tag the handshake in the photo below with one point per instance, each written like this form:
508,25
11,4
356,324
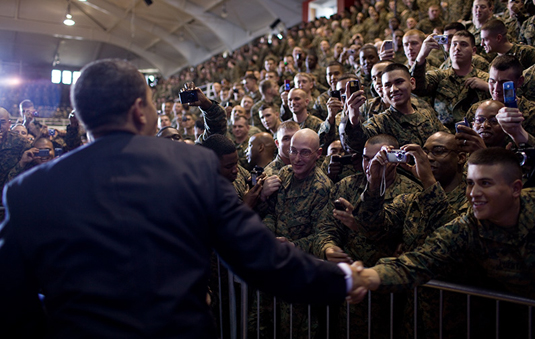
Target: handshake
363,280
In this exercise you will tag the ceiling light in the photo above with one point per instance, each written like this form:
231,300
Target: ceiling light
68,17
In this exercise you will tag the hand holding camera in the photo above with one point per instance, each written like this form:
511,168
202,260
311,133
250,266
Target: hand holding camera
422,167
193,96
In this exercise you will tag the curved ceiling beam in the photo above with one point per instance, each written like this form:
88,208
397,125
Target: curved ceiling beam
187,49
74,32
231,35
288,15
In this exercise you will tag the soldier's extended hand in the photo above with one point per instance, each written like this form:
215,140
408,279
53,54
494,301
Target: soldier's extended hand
468,140
346,217
422,167
333,107
476,83
203,102
511,121
336,255
28,156
271,185
251,197
353,104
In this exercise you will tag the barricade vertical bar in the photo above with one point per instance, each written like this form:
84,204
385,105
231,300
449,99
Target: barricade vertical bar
497,319
348,309
232,306
468,316
275,317
220,297
291,320
328,315
391,315
309,323
257,314
441,303
244,309
529,322
369,315
415,313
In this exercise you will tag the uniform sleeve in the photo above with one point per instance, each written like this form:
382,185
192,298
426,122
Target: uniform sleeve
425,82
215,122
443,250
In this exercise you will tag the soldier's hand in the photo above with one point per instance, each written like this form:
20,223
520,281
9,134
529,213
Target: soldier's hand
386,54
251,197
333,107
468,140
334,168
476,83
364,280
429,44
422,167
353,104
511,121
346,217
28,156
202,101
336,255
270,186
374,172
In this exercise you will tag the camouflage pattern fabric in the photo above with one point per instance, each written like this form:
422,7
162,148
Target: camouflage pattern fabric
12,146
451,98
477,62
526,54
274,166
240,184
527,32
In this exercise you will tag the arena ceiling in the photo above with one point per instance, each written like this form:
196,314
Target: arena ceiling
167,34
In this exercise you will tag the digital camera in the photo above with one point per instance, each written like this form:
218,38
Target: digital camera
397,155
188,96
442,39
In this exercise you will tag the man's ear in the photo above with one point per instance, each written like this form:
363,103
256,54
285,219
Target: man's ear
277,142
138,112
517,188
413,83
261,147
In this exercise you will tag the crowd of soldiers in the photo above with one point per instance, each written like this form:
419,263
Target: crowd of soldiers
357,138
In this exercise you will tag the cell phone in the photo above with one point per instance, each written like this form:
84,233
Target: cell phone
441,39
388,45
397,155
35,114
509,95
255,173
344,159
339,205
188,96
43,153
336,94
464,123
51,131
354,86
287,85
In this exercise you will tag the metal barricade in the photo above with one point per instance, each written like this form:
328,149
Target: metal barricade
241,313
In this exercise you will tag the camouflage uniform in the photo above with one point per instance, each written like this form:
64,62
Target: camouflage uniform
312,122
528,88
321,105
526,107
333,233
293,214
328,133
477,62
277,102
377,105
400,57
526,54
427,26
458,10
242,158
406,128
274,166
527,32
256,95
507,255
240,184
451,98
215,121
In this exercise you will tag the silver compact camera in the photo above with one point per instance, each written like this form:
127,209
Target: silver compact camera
397,155
441,39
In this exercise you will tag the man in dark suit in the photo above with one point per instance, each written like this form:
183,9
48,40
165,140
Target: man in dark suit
117,235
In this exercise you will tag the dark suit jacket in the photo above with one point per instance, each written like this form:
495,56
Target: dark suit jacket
117,235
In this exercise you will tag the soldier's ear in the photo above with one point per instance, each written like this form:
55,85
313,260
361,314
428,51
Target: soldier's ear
520,81
517,188
413,84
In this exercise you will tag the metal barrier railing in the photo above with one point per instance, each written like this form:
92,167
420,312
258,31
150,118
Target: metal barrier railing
240,314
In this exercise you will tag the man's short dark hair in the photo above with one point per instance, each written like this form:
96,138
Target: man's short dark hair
346,76
455,25
495,27
105,92
506,62
199,123
250,76
383,139
397,67
335,63
466,34
369,46
274,108
498,156
220,144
